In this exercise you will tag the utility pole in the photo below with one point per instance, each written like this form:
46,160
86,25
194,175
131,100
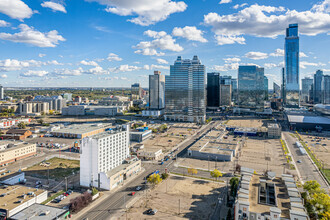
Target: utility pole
66,184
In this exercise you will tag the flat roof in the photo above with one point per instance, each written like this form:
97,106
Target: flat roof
308,119
273,125
121,167
39,212
11,145
83,128
216,150
13,194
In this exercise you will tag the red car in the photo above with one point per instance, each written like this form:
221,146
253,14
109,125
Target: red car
133,193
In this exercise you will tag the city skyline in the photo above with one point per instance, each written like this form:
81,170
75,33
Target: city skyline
87,44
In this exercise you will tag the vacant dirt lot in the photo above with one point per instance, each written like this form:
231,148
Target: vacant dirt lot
251,123
58,168
197,200
261,154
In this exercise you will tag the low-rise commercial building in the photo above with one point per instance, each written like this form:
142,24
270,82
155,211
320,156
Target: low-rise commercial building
16,198
44,212
309,122
11,178
79,131
268,197
8,123
75,110
11,151
17,134
274,130
150,154
139,136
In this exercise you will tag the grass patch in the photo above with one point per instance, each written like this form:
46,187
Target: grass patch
58,168
52,197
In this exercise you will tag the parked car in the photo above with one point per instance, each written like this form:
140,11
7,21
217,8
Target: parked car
299,161
132,193
138,188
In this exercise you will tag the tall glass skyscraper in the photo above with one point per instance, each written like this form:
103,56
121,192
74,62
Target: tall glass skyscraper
318,77
292,66
251,88
306,86
326,89
185,91
213,90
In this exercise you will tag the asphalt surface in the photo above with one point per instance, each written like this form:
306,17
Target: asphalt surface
117,201
306,168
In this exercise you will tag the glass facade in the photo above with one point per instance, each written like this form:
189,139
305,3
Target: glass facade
306,86
251,88
292,66
213,89
185,91
156,91
234,90
326,89
266,87
318,76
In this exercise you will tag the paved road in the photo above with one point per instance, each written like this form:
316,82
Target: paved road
306,167
118,200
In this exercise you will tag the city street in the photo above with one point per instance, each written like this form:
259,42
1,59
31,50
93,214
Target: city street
306,167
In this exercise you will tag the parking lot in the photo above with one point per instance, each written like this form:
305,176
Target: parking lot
320,146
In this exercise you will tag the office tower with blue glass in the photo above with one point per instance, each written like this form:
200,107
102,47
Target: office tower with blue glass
291,61
266,87
185,91
234,90
306,86
251,88
213,90
317,95
276,90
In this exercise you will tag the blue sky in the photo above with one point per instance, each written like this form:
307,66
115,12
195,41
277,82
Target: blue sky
111,43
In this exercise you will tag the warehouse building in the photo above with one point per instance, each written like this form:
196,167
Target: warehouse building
38,212
140,135
16,198
301,122
75,110
79,131
11,151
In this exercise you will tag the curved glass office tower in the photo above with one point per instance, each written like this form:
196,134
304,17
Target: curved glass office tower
292,66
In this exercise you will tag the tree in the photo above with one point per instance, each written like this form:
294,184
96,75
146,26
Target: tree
51,112
192,171
40,121
234,185
154,179
312,186
21,125
164,176
216,174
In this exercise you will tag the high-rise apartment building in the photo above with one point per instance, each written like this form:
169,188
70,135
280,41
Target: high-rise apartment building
185,91
318,77
251,89
136,91
101,153
291,61
56,103
2,93
213,90
33,108
326,89
67,96
306,86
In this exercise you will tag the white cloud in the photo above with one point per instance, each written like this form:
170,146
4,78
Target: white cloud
14,65
304,64
302,54
53,62
4,23
225,1
267,21
161,41
15,9
239,6
270,65
322,7
190,33
29,35
34,73
54,6
96,71
124,68
113,57
41,55
226,67
229,39
3,76
232,60
147,11
123,78
88,63
256,55
277,53
152,66
161,61
68,72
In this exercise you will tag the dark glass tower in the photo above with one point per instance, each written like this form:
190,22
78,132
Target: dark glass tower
213,89
292,66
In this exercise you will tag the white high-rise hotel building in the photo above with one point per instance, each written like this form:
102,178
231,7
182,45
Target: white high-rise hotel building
101,153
